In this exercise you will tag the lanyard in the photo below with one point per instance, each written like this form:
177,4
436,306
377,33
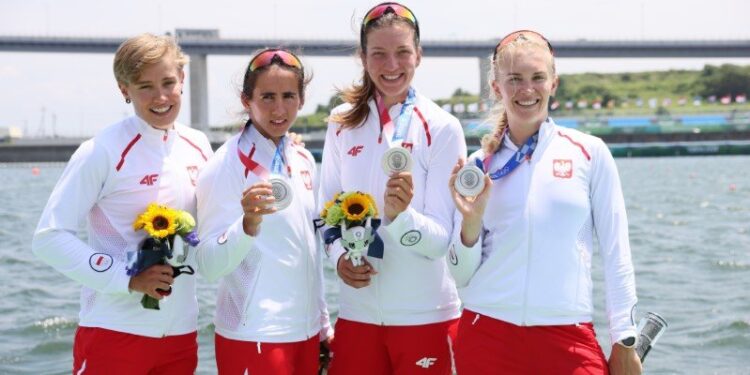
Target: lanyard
255,167
523,153
402,121
278,158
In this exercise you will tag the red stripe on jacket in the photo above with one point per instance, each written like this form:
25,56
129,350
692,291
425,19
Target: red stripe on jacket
585,153
194,146
424,123
126,150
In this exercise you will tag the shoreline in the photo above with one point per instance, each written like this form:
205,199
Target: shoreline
621,145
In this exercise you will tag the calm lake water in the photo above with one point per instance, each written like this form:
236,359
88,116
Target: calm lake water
689,230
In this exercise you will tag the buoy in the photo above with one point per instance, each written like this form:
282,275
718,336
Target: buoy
35,171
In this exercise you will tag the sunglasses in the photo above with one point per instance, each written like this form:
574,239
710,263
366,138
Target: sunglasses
512,37
379,10
268,56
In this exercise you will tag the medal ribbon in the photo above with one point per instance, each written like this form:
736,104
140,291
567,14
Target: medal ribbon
278,158
523,153
255,167
403,121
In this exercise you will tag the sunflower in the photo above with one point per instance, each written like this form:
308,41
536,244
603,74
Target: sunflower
356,207
373,206
158,221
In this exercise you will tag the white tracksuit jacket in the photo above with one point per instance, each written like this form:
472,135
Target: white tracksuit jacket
107,183
272,284
413,285
532,263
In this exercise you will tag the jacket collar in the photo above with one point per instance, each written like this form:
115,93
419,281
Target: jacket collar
546,133
153,135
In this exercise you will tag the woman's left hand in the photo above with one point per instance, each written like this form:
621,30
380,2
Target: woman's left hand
399,190
624,361
324,357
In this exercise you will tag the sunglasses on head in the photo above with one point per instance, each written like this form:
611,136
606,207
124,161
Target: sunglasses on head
512,37
268,56
384,8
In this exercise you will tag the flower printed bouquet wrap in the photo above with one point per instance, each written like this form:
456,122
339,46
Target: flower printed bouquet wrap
162,224
352,217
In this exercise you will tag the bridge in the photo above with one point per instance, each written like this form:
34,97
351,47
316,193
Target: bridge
201,43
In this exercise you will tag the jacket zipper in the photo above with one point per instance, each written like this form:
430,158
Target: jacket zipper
529,247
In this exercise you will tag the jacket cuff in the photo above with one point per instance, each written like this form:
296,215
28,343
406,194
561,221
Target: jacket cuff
616,335
120,281
326,331
460,247
404,222
236,237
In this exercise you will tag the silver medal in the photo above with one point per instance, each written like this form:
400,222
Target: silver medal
396,159
282,191
469,181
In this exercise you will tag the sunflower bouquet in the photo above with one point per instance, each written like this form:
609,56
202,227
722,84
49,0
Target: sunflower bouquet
353,217
162,224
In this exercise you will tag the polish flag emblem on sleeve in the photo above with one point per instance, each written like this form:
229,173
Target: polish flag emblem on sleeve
562,168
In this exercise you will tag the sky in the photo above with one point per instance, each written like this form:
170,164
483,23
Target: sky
76,94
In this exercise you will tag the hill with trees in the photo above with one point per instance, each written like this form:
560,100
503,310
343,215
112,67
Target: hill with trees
713,89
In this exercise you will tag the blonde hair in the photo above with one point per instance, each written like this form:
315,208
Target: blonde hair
496,115
359,94
140,51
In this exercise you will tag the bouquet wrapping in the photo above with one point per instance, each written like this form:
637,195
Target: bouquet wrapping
162,224
353,217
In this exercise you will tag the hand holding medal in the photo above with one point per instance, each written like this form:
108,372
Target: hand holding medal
469,181
470,188
264,197
397,161
399,188
257,200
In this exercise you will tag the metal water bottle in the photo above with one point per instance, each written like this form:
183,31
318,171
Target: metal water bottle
650,328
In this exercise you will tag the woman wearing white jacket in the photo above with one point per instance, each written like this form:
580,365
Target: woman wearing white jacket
522,249
108,182
397,311
270,311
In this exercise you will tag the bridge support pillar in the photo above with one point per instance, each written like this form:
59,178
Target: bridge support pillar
198,92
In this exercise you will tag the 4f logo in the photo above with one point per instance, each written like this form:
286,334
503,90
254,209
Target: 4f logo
426,362
562,168
149,179
354,151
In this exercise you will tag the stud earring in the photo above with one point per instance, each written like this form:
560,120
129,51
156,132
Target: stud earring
127,100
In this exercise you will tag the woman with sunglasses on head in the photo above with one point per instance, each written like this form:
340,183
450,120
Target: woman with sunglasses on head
397,309
256,205
523,267
108,182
